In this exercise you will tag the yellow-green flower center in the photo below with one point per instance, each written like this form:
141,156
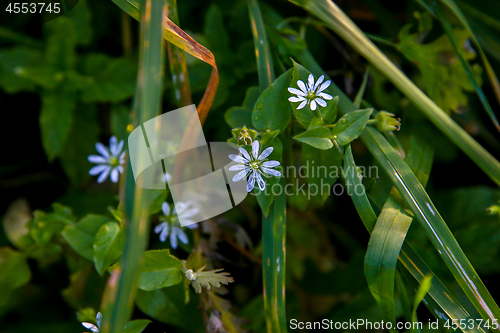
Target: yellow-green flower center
114,162
311,95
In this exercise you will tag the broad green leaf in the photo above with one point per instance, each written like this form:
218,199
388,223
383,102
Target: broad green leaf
324,169
350,126
13,62
273,259
159,270
45,76
265,198
239,116
329,113
80,236
56,120
167,306
44,226
316,122
80,144
61,43
108,79
14,273
136,326
108,244
318,137
272,110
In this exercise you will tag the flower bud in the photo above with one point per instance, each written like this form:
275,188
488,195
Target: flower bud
244,136
386,121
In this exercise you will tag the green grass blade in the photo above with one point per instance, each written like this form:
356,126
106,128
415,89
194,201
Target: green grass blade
265,67
449,32
390,232
361,92
423,289
441,302
273,262
122,286
328,12
423,209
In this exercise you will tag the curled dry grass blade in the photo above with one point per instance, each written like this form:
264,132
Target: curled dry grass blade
339,22
121,288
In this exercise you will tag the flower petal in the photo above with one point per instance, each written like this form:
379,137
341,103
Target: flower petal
114,175
122,157
296,99
320,102
238,158
188,213
244,153
325,96
97,159
102,177
313,105
271,172
251,182
320,80
302,86
296,91
310,82
119,168
164,234
270,164
97,169
240,175
173,238
165,207
301,105
255,149
98,318
237,167
266,153
261,182
160,227
112,144
182,236
118,149
91,327
193,225
101,149
324,86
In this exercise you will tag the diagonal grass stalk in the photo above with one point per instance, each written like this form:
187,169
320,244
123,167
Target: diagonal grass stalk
339,22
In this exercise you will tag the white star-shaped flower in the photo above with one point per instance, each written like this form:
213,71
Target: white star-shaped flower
254,165
93,327
110,161
312,94
170,224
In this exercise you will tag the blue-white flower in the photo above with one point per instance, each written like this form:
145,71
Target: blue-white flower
312,94
170,224
91,326
254,165
109,162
